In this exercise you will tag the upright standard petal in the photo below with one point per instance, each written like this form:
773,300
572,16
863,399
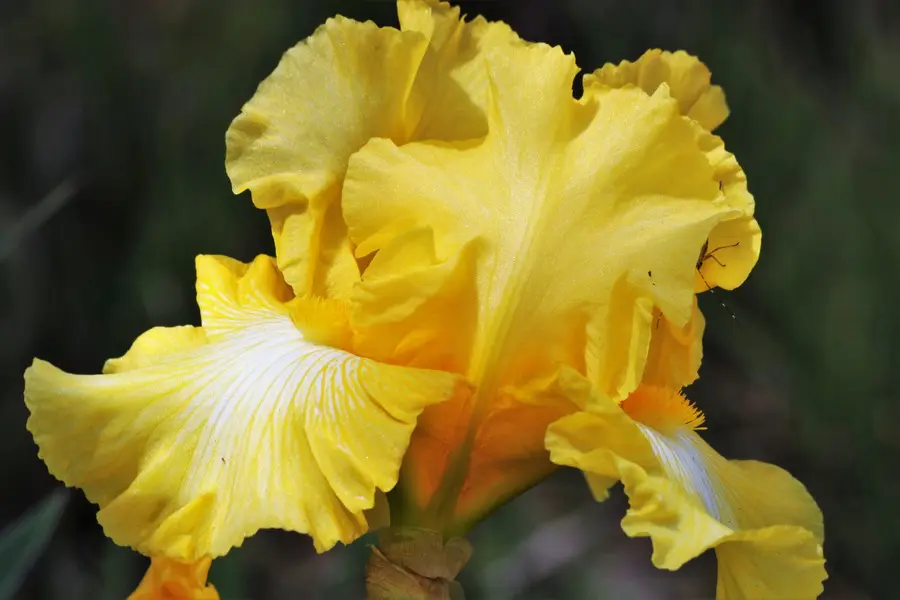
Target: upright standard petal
199,437
687,78
515,242
347,83
168,579
766,530
733,245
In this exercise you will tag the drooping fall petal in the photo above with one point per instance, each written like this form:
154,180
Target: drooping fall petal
526,236
199,437
764,526
347,83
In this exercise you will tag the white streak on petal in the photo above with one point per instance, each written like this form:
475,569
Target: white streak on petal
682,458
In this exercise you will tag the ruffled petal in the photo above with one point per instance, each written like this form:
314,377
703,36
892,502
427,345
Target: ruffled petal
347,83
641,345
766,529
618,340
407,281
775,562
451,82
198,437
555,217
168,579
687,78
312,247
733,246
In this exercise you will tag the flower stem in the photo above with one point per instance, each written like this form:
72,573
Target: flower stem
410,563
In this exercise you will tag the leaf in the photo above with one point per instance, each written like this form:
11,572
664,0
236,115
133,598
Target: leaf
23,541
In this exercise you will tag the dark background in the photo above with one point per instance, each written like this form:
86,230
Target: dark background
121,107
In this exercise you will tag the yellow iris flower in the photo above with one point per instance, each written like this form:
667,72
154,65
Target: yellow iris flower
465,255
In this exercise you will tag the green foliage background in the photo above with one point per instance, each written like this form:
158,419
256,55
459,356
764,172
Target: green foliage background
126,103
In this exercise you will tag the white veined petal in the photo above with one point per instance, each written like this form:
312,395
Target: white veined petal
764,526
217,432
685,460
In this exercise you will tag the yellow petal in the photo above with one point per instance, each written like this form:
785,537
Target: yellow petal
197,438
407,282
155,345
675,353
733,246
619,335
775,562
631,353
687,78
312,247
766,529
557,215
168,579
347,83
451,84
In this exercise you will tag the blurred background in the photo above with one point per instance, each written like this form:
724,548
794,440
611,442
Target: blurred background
113,116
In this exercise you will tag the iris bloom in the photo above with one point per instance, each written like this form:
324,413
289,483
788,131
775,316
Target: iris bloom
465,254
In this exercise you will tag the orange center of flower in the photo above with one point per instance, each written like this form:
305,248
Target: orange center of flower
662,409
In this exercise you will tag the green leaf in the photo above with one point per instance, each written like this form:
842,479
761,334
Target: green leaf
23,541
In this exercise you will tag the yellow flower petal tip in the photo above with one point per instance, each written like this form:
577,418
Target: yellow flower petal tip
168,579
765,528
198,437
729,254
732,250
687,79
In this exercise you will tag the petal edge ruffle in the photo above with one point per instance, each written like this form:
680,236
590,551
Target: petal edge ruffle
686,76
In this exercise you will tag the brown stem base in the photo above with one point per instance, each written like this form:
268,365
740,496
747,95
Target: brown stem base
415,564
